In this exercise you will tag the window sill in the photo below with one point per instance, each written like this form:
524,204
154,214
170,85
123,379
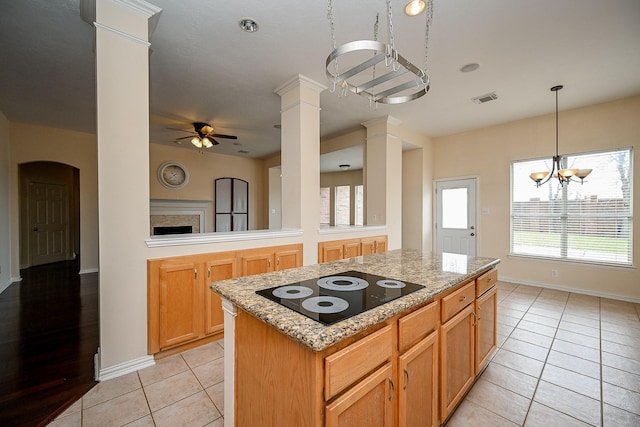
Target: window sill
571,261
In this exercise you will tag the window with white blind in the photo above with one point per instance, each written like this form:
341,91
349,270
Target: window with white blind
325,206
588,222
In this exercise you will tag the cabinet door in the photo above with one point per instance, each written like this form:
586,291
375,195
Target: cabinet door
219,269
418,384
367,403
380,244
456,359
181,306
368,246
288,259
331,251
486,313
351,248
256,263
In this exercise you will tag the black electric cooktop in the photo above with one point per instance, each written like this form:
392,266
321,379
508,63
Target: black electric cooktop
330,299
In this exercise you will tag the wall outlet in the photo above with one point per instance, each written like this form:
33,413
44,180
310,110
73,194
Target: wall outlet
554,273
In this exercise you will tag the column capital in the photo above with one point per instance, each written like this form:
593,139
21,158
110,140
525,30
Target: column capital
140,8
297,81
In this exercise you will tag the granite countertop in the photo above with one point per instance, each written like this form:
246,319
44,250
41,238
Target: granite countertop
437,272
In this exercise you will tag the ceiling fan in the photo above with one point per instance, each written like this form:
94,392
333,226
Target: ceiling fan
203,135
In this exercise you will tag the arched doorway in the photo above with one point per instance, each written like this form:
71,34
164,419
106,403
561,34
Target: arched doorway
49,213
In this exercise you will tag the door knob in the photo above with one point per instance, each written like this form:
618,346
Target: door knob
35,228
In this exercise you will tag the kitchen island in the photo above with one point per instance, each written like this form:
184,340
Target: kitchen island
283,368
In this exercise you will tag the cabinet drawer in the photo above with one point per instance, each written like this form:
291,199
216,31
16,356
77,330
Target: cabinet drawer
357,360
486,281
456,301
417,325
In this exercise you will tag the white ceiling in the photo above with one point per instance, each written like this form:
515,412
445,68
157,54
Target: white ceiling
204,68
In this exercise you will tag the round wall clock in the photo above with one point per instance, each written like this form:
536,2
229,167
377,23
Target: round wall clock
173,175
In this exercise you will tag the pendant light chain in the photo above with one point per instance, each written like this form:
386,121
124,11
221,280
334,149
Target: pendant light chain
429,14
390,24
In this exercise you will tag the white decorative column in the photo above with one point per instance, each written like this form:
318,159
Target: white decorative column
300,148
123,29
383,178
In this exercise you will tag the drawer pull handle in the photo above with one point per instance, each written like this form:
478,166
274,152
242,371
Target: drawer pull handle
464,298
406,379
475,318
393,389
195,273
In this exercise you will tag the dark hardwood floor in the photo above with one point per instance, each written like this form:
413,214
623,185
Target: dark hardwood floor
48,338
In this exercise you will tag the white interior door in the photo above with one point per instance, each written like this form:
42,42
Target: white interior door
49,222
456,230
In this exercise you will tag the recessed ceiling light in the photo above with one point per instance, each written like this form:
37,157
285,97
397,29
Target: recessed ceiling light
249,25
243,152
237,143
415,7
277,126
344,167
470,67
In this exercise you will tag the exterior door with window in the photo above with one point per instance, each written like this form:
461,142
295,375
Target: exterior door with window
456,216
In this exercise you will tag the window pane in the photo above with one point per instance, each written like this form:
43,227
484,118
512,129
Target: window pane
588,221
359,207
325,205
454,208
342,204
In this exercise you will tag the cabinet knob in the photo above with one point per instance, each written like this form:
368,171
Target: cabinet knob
464,298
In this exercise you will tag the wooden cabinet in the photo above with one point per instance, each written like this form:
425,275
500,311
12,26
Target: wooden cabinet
418,368
368,403
220,267
467,338
486,323
411,370
341,249
265,260
180,303
456,359
374,245
182,309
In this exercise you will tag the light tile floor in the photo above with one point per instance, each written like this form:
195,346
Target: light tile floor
564,359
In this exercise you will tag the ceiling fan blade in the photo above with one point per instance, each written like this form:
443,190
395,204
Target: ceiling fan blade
214,142
181,130
218,135
186,137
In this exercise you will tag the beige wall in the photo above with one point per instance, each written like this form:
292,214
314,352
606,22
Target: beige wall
488,152
76,149
5,234
203,169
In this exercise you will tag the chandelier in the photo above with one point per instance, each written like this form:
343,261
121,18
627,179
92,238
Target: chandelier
562,174
398,82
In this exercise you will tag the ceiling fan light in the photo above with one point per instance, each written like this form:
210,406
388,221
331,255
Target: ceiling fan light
196,141
207,142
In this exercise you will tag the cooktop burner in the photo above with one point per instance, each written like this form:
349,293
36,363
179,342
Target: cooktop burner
330,299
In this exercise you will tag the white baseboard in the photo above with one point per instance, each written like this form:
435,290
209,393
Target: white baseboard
126,368
570,289
88,271
4,285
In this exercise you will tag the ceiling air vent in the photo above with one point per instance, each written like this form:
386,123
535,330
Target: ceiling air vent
485,98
